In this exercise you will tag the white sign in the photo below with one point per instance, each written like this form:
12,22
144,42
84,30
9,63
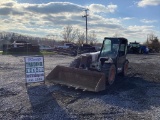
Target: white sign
34,69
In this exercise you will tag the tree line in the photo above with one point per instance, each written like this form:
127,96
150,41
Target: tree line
153,42
8,37
71,34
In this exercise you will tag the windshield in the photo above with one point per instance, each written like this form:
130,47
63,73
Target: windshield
135,45
110,48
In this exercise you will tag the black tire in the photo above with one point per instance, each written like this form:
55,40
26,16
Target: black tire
125,68
110,73
75,63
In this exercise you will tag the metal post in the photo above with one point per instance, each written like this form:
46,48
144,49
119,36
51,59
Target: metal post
86,29
86,15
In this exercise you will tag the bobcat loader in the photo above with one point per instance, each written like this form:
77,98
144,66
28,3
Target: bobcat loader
94,71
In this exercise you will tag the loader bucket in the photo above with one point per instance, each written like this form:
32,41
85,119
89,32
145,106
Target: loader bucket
77,78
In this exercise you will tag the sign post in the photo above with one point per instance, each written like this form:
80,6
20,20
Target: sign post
34,69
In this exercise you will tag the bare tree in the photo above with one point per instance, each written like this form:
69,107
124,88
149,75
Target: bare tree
153,42
92,38
80,37
151,36
69,34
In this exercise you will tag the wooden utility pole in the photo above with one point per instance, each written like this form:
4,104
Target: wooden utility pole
86,15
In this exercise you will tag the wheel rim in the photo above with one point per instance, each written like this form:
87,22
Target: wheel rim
111,75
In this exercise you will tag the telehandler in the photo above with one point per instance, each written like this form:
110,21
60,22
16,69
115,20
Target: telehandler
94,71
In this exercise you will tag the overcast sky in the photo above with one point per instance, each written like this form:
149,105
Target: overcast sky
133,19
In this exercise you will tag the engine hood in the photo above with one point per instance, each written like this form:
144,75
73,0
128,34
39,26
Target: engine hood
93,54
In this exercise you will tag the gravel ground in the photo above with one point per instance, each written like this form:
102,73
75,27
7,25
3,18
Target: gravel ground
134,97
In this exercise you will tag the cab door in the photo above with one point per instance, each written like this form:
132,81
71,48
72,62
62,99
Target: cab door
121,56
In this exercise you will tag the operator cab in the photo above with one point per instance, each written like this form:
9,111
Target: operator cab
113,48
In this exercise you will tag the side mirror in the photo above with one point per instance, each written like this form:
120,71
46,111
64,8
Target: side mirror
102,60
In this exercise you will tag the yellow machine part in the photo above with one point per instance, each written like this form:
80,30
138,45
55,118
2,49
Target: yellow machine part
78,78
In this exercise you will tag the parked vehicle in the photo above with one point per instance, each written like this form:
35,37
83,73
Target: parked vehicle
20,46
65,46
94,71
46,48
137,48
86,48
